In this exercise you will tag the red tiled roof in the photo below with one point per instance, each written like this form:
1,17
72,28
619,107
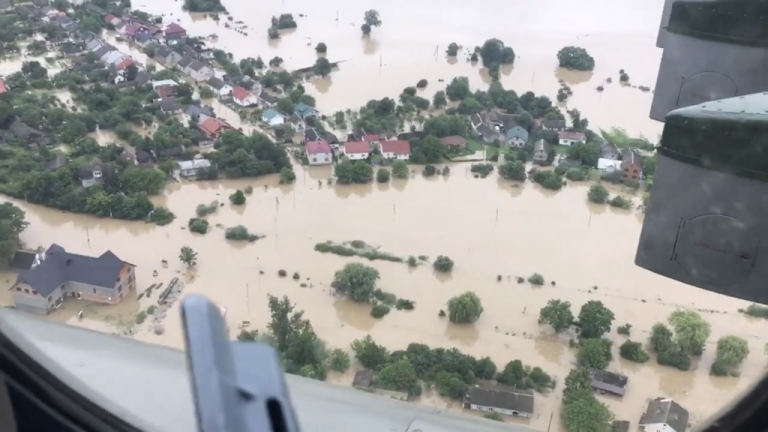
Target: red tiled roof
357,147
212,126
317,147
109,18
569,135
240,93
2,86
131,29
396,147
453,141
370,138
124,64
174,28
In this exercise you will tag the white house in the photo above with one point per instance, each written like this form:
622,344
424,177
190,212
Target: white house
199,71
567,138
191,168
243,97
219,87
664,415
395,149
608,165
356,150
319,153
500,399
272,117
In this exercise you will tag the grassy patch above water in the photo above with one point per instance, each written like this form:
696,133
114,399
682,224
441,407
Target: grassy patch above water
356,248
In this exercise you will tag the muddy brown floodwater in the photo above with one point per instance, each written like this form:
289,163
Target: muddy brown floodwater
486,226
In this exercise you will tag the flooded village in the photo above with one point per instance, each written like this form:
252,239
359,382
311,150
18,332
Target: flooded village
387,172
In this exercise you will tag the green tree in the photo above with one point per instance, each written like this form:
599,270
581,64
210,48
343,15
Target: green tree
633,351
593,353
584,413
322,67
237,198
586,153
356,281
188,256
382,175
370,354
495,53
91,24
731,350
464,308
321,48
199,226
398,375
143,180
513,170
597,194
275,62
485,368
548,180
557,313
12,223
450,384
443,264
206,92
438,100
338,360
287,176
372,19
661,338
273,33
400,170
469,106
572,57
594,319
453,49
691,331
349,172
458,89
293,337
578,379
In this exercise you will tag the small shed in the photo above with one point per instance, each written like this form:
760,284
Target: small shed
363,379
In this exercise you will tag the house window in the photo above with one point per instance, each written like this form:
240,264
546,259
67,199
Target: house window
34,292
26,290
118,278
50,299
18,288
94,290
314,159
120,289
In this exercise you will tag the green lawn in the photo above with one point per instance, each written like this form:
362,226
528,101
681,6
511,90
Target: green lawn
561,149
474,145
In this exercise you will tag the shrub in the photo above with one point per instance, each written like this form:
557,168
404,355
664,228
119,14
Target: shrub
493,416
282,273
248,190
151,310
443,264
199,226
141,317
412,261
338,360
321,48
237,198
162,216
718,369
429,171
240,233
482,169
624,330
674,358
446,170
597,194
422,83
403,304
206,209
382,175
575,174
296,276
536,279
357,244
379,310
620,202
633,351
384,297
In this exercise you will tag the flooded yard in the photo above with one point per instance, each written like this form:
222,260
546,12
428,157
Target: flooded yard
486,226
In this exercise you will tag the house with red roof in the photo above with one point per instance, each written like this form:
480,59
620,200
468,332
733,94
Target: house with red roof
213,127
395,149
243,97
356,150
567,138
319,153
175,31
2,87
123,64
371,139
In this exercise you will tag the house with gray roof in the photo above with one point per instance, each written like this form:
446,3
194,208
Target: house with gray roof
93,44
199,71
56,274
6,5
183,63
499,398
664,415
168,56
516,136
201,113
113,58
608,382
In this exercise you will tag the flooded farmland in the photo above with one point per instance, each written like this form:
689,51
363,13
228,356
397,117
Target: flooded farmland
486,226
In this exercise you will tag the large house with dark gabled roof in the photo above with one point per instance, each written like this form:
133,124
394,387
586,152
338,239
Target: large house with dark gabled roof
56,274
